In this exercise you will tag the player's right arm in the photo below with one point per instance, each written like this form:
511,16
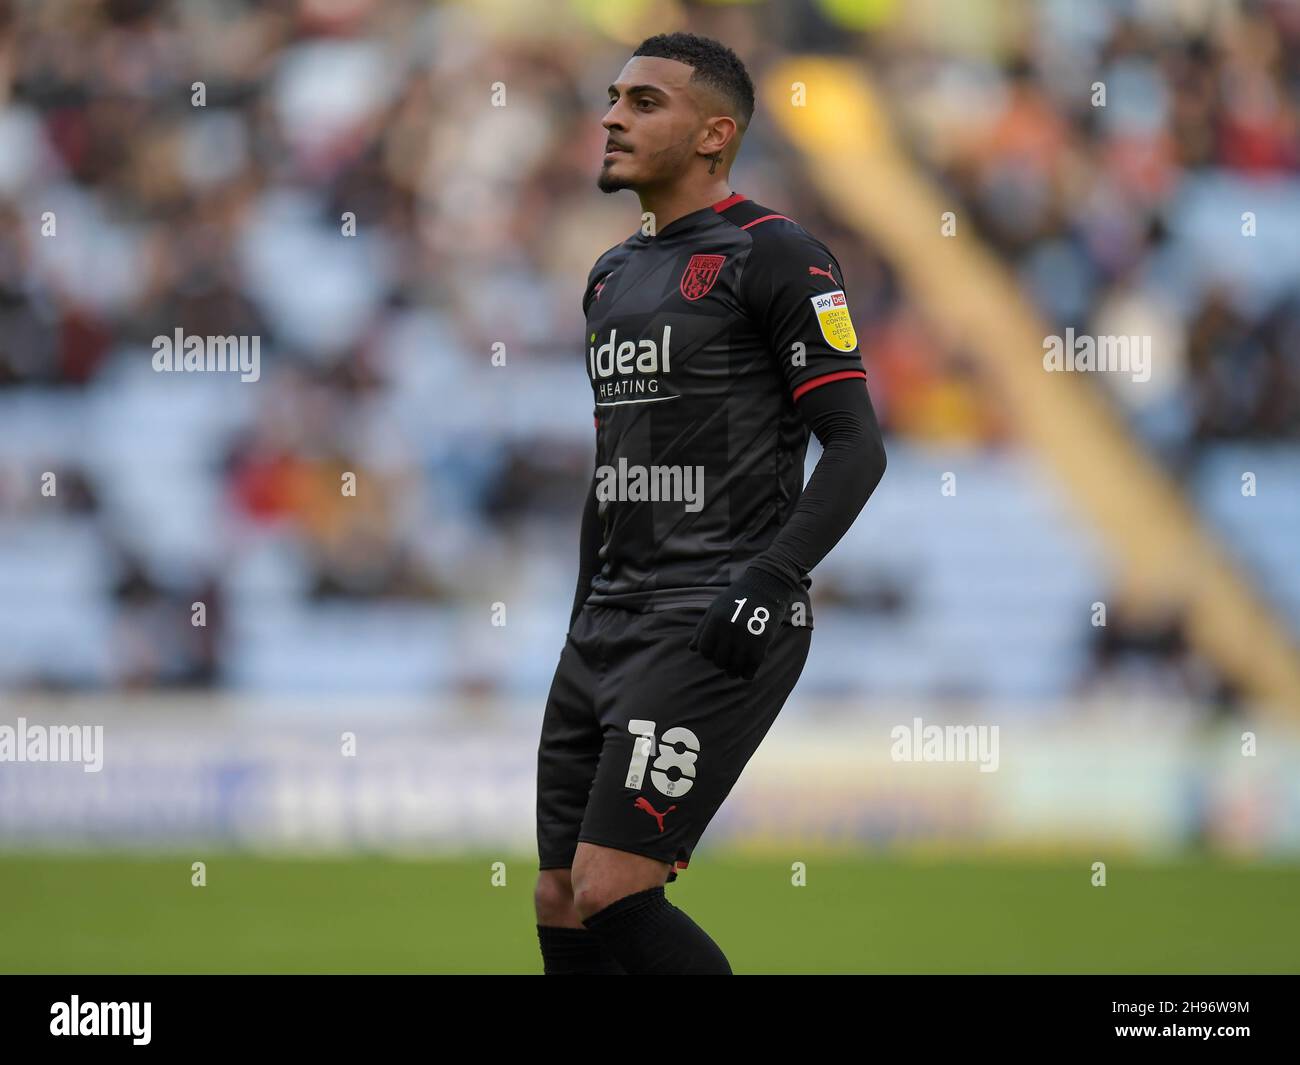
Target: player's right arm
589,539
590,534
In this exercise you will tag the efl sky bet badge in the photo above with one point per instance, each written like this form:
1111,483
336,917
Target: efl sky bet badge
833,317
700,274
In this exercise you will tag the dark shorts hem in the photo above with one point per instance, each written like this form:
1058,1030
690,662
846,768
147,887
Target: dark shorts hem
673,863
677,864
643,851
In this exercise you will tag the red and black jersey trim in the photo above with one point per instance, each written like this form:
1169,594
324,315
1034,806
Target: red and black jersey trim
825,379
744,213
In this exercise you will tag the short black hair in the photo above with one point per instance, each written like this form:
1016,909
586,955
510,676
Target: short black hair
715,65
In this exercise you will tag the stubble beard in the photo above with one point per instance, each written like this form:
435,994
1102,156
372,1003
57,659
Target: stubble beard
607,182
672,160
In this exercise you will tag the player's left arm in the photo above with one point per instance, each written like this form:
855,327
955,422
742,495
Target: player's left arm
806,316
852,463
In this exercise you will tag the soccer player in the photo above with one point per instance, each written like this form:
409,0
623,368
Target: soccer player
717,337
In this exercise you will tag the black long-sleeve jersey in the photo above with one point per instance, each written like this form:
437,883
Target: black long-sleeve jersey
701,339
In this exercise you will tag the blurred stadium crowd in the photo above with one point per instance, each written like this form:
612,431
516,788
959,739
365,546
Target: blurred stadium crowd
348,192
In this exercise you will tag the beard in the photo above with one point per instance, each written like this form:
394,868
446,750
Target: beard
607,182
657,165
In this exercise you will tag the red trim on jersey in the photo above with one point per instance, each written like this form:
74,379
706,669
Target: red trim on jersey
826,378
681,864
596,422
765,218
730,201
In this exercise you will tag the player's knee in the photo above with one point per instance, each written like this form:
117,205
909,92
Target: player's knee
591,894
553,897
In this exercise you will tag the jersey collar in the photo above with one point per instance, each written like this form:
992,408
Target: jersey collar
695,217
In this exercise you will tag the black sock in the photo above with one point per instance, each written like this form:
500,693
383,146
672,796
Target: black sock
651,936
575,952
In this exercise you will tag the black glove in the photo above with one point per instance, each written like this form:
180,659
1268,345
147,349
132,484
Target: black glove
735,636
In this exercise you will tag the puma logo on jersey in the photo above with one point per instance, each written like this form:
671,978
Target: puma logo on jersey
816,270
643,803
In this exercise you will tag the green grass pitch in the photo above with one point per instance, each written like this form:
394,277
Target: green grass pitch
856,914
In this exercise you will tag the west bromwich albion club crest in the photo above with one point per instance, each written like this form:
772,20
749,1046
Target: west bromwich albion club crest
700,274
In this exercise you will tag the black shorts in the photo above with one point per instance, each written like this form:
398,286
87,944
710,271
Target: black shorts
643,738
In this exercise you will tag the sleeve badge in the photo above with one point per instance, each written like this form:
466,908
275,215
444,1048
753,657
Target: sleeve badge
832,311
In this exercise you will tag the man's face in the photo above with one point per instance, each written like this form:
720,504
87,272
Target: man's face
654,123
